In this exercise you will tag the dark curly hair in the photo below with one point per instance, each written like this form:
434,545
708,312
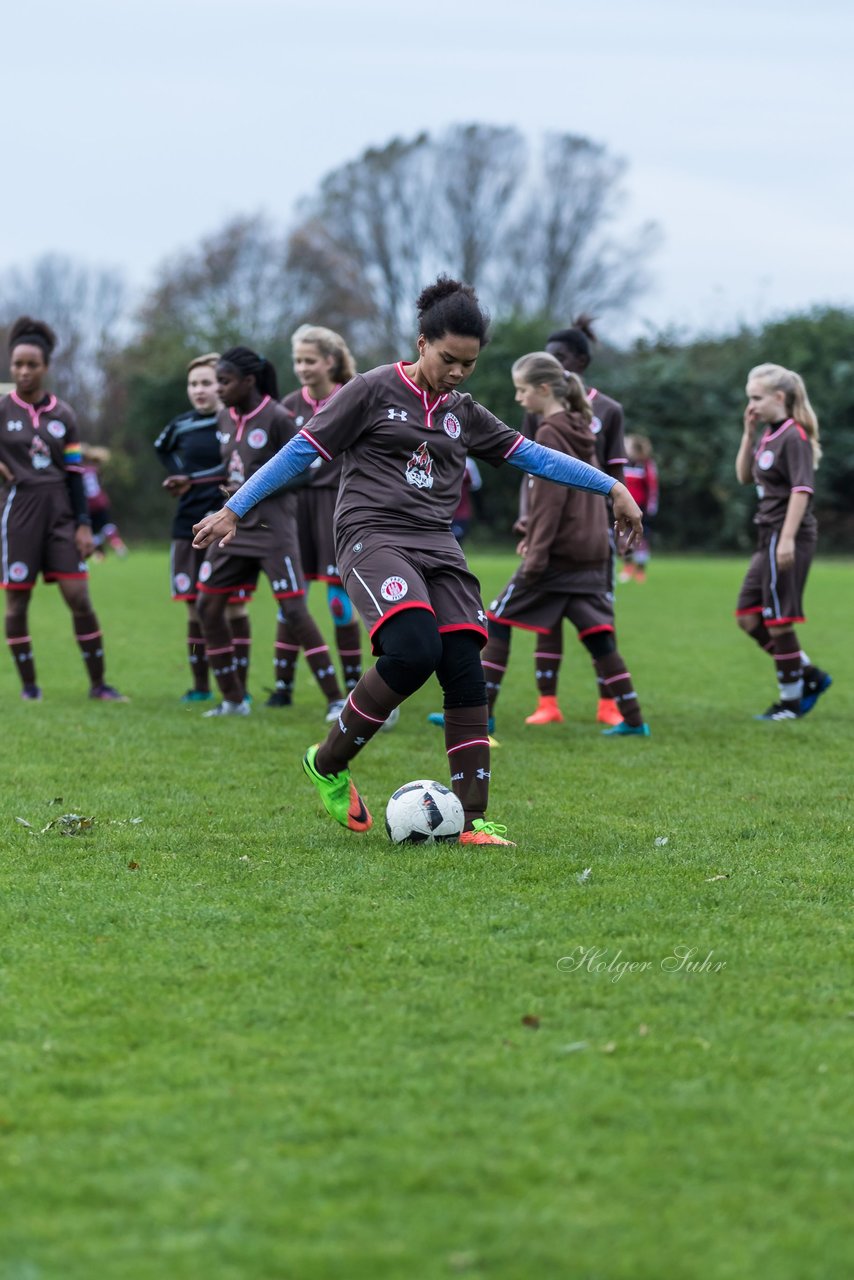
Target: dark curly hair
449,306
579,338
32,333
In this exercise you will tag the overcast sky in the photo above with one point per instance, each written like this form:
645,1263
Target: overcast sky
132,129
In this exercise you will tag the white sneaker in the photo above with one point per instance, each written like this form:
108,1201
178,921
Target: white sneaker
390,721
334,710
227,708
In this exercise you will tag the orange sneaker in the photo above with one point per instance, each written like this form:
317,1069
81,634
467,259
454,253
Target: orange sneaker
486,833
547,712
640,575
607,713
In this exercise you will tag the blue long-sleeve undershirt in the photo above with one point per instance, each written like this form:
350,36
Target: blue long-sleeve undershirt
535,459
290,462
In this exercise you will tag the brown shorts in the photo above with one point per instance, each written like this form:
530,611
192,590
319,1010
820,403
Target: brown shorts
223,573
185,563
540,605
37,536
315,510
384,574
774,594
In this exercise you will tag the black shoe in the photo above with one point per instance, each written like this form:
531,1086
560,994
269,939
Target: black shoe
782,711
279,698
816,683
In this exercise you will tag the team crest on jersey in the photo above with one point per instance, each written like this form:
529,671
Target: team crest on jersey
18,571
452,426
205,571
419,468
182,582
394,589
56,429
300,420
16,425
765,459
236,473
595,425
40,454
257,438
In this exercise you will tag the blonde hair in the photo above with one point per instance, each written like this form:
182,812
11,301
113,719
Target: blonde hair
797,401
539,368
97,454
212,359
328,343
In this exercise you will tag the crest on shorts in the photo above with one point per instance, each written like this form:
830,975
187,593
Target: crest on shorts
451,425
56,429
18,571
394,588
257,438
765,459
182,582
419,468
205,571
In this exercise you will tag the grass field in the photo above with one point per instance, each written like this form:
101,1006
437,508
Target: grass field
240,1043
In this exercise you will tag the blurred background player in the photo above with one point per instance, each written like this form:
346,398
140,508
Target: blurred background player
323,364
190,451
45,523
641,477
104,529
253,427
779,452
565,553
472,483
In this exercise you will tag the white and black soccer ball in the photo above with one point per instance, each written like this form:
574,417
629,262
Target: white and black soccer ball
424,812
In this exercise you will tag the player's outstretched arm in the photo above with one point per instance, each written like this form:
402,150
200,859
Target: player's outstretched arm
219,526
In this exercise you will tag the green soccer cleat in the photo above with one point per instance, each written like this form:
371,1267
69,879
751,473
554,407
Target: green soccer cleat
338,793
623,730
197,695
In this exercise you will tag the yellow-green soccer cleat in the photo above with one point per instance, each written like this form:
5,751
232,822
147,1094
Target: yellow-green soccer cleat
340,798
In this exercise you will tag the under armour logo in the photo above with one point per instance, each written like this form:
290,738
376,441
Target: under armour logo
481,616
360,742
14,426
484,774
457,777
397,413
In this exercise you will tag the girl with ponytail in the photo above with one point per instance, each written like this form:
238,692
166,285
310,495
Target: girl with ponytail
564,558
779,453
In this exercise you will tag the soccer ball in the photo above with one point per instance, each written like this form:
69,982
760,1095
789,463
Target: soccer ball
423,812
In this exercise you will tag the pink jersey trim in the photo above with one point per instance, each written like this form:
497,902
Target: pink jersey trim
317,405
514,446
422,396
241,422
35,413
319,447
802,488
772,435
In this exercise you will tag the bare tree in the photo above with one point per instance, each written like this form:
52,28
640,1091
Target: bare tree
561,254
479,170
86,307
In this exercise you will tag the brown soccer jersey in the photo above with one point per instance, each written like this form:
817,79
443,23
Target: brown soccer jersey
302,407
782,465
39,444
607,427
246,444
404,453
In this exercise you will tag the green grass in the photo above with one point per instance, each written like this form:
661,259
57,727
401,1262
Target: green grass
273,1049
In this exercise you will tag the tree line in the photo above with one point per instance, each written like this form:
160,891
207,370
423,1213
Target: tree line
533,226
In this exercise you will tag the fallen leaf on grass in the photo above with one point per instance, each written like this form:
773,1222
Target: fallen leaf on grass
531,1020
712,879
661,840
133,866
26,824
575,1047
610,1047
583,877
643,1029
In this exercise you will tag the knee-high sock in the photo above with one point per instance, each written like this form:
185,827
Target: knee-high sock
241,638
220,651
547,660
301,629
617,683
494,659
88,636
21,649
366,710
762,636
467,745
197,656
348,638
285,654
789,666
